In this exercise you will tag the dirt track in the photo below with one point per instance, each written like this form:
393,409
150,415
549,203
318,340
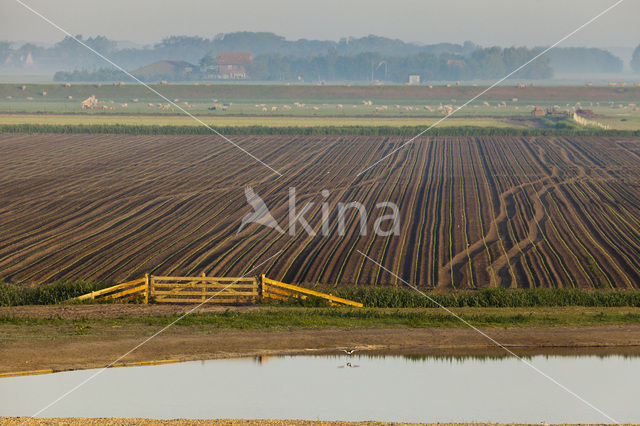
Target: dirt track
112,310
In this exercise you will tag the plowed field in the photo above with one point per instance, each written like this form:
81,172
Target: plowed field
475,211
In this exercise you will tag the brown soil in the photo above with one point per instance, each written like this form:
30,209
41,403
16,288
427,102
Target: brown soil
474,212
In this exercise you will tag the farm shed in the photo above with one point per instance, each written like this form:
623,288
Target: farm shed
231,65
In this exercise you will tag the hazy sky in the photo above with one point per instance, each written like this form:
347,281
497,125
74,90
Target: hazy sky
486,22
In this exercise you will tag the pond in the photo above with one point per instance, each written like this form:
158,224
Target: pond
340,387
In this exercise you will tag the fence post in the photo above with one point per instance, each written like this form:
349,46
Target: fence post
204,288
260,283
147,291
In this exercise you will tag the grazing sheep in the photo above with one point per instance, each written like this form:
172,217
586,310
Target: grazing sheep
514,100
69,97
339,106
135,100
264,109
44,93
67,85
29,98
315,108
274,108
485,103
150,105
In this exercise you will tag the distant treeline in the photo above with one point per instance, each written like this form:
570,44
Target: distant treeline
102,74
280,59
560,128
488,63
635,60
68,55
494,62
582,60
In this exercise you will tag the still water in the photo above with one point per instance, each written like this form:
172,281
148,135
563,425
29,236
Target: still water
357,387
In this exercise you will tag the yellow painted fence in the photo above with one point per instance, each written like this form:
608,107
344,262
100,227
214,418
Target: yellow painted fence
217,290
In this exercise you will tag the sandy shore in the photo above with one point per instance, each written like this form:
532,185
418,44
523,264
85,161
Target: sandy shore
11,421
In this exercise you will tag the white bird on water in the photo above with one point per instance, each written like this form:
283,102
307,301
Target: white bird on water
348,351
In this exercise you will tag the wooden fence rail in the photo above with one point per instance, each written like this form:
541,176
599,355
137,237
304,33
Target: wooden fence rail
203,289
272,289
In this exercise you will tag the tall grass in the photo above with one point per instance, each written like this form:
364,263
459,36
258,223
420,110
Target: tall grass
495,297
312,130
46,294
373,297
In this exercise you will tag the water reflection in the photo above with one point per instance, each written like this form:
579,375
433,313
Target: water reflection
363,386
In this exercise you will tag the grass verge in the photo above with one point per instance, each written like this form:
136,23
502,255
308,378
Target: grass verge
314,318
311,130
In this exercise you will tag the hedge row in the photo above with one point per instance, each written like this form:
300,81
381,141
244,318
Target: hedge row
316,130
